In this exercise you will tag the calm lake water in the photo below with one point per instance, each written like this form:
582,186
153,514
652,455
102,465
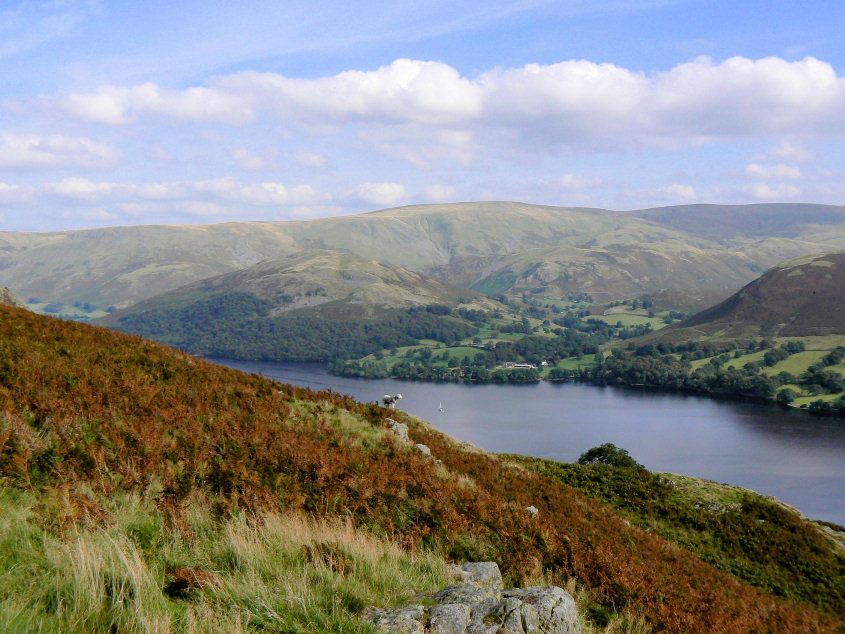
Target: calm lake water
797,458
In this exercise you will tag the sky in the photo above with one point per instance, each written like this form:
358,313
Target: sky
118,113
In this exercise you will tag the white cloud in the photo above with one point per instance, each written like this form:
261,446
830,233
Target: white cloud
10,193
93,213
440,193
756,170
577,103
30,151
792,152
679,193
383,194
221,190
405,91
115,105
311,159
576,181
248,161
766,192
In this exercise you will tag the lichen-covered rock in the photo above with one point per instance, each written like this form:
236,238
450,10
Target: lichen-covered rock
400,429
484,573
423,449
556,610
464,593
479,605
533,511
405,620
448,618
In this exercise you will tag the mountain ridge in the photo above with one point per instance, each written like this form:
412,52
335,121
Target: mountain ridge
123,265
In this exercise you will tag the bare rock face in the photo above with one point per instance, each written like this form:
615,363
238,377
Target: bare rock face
479,605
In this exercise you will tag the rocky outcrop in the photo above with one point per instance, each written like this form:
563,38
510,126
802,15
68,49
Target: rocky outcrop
8,298
480,605
400,429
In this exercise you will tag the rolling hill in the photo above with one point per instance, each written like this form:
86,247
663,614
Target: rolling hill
605,272
799,298
120,266
127,469
312,306
321,283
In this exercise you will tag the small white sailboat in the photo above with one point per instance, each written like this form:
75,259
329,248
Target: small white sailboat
440,407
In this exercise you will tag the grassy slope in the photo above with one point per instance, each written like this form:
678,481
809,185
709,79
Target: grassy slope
88,410
245,573
745,534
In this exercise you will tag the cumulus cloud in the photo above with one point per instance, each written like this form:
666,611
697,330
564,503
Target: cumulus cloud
248,161
31,151
756,170
576,181
228,190
766,192
678,193
115,105
792,152
404,91
311,159
383,194
576,103
439,193
10,193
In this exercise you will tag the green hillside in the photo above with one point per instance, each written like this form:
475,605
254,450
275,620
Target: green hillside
313,306
799,298
143,490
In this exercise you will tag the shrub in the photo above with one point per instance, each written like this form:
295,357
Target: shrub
610,455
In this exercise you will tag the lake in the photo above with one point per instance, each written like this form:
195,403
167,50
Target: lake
796,457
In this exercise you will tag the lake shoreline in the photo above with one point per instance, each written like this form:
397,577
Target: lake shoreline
772,450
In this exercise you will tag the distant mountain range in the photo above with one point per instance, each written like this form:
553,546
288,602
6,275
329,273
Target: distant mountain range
490,246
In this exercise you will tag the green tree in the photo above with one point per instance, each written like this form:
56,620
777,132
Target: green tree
610,455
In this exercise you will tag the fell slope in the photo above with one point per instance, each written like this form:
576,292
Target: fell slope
605,272
87,412
123,265
799,298
321,282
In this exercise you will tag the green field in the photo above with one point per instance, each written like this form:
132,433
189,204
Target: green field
797,363
573,363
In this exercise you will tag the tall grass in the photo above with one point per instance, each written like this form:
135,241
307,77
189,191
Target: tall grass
268,572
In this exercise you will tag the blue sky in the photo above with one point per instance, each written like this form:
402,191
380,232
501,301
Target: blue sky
132,113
